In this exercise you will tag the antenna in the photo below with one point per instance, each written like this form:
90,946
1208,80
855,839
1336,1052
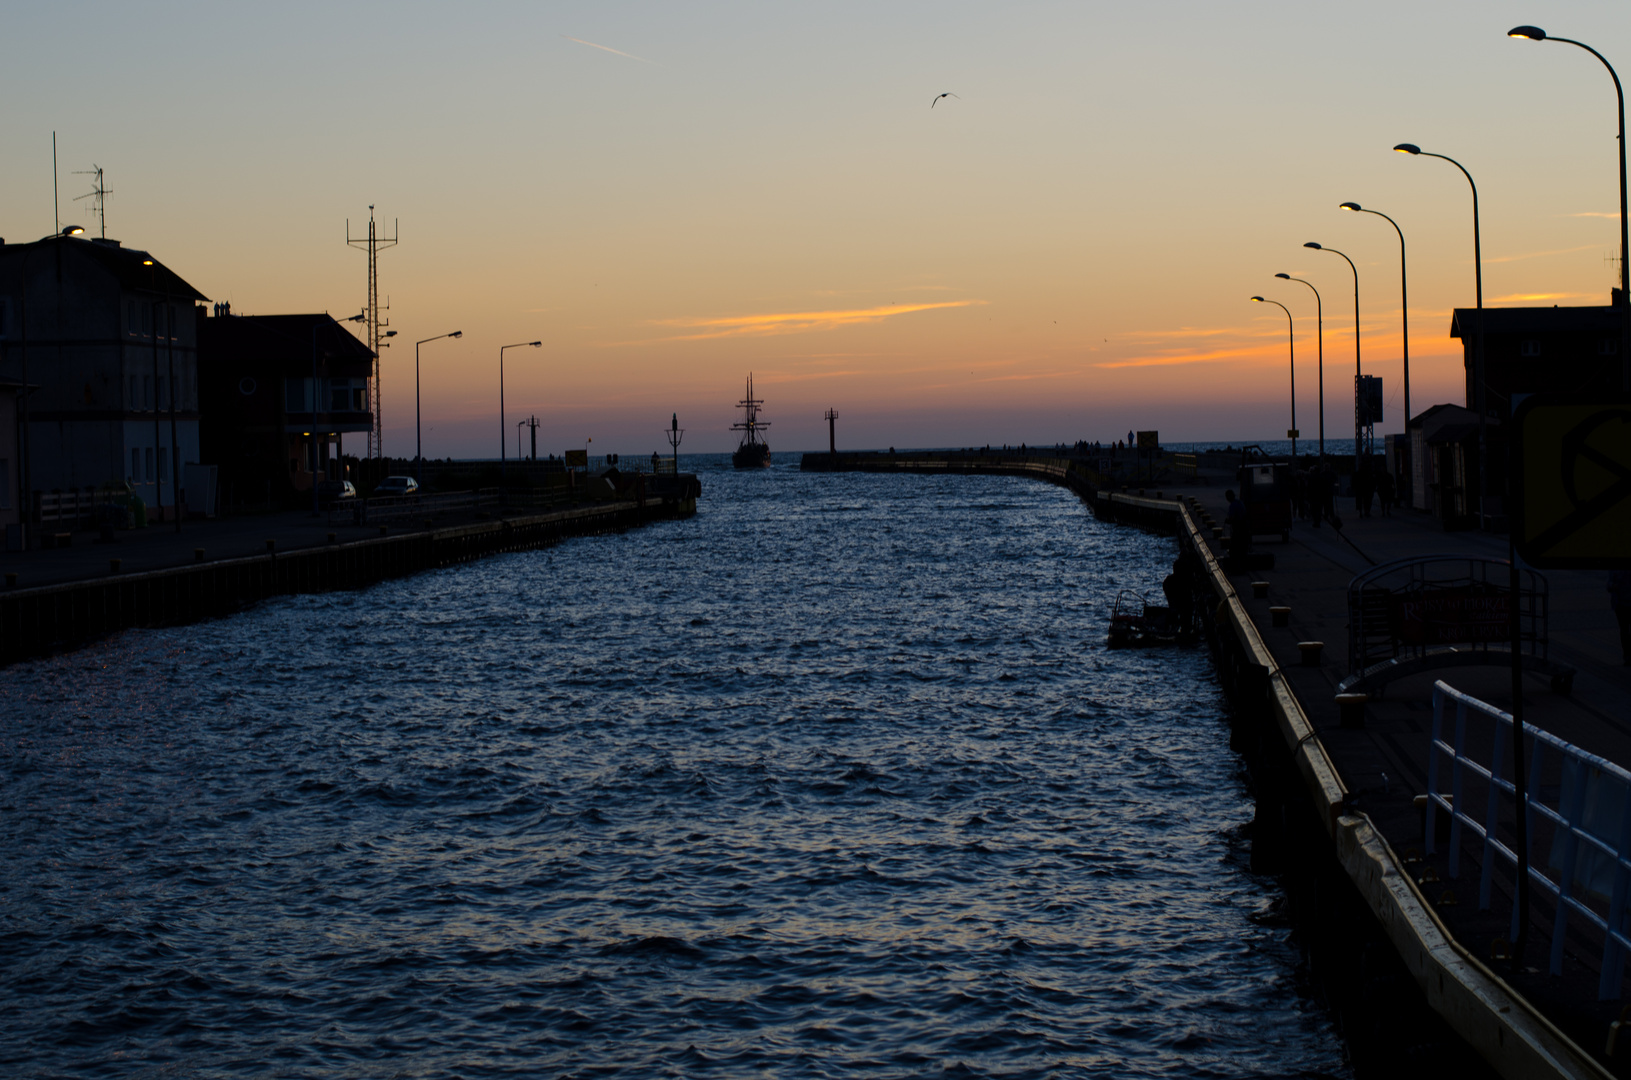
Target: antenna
97,192
56,196
374,244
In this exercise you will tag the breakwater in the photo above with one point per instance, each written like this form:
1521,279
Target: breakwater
1407,994
50,617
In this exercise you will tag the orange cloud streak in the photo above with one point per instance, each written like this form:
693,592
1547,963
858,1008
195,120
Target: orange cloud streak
795,322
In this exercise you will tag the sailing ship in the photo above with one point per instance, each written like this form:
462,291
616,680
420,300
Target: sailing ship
754,452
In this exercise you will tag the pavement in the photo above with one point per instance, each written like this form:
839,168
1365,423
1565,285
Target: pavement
161,545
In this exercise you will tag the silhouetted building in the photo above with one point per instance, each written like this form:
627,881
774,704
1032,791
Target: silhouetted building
263,413
1533,350
101,334
11,493
1444,462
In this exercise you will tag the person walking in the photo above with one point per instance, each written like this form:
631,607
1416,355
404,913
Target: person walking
1619,597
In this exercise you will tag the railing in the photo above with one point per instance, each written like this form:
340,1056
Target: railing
1590,824
70,506
1186,465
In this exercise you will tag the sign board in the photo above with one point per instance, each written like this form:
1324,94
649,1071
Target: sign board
576,459
1573,484
1293,433
1368,398
1149,440
1469,614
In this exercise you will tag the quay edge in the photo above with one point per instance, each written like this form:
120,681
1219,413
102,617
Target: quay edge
49,618
1284,751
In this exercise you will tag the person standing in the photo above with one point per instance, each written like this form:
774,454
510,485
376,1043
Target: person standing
1619,597
1240,530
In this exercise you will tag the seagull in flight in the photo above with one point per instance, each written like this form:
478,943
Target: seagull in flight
937,98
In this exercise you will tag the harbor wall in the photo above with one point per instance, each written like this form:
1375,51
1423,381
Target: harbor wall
53,617
1408,997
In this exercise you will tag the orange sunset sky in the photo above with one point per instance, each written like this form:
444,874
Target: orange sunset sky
671,196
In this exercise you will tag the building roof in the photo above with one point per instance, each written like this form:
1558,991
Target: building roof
129,266
277,340
1540,320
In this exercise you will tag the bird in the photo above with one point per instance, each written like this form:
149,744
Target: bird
937,98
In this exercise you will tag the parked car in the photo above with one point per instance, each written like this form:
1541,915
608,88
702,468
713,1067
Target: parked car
397,485
332,493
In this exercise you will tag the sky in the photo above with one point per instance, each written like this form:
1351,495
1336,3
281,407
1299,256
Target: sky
672,196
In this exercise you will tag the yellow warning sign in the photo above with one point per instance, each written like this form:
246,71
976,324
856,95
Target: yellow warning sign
576,459
1574,482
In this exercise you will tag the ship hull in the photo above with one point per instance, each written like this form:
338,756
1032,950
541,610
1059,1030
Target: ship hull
752,456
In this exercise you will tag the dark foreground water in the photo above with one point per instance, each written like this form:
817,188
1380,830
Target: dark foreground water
835,779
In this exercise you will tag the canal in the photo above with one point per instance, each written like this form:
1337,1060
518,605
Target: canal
835,778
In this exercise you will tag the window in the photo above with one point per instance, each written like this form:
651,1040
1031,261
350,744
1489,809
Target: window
5,484
147,457
147,319
135,466
135,392
1607,347
164,400
5,317
1531,347
147,392
132,319
164,465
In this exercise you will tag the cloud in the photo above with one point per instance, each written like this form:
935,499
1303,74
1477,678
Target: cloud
608,48
1615,214
1530,298
1184,358
794,322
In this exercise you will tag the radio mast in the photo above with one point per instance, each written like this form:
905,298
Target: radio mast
374,244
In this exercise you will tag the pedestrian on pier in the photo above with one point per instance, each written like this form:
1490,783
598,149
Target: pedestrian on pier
1619,596
1240,530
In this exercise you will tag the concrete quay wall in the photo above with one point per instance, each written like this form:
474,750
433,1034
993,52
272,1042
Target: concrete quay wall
1356,898
52,617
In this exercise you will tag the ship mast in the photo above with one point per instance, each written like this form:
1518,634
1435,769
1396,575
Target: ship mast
750,424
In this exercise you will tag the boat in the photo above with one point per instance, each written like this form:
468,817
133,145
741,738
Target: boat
754,452
1135,623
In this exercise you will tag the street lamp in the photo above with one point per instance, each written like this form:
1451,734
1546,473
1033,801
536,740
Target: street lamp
316,325
418,431
502,454
1319,311
1359,439
1291,343
1535,33
1478,350
1404,299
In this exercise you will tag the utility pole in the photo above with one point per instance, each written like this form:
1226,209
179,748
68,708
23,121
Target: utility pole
374,244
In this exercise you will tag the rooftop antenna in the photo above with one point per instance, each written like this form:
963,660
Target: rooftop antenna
56,196
374,244
97,192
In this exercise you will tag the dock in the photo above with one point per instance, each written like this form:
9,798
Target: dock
1340,790
61,597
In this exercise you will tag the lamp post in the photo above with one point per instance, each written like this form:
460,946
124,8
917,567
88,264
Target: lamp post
418,429
502,453
1478,350
1535,33
1291,344
1319,312
317,325
1404,299
1359,439
23,449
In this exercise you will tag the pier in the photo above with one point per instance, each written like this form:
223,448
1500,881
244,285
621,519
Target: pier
58,598
1341,783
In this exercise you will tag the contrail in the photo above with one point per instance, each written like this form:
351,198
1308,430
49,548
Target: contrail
608,48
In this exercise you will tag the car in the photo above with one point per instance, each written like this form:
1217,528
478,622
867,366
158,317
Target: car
333,492
397,485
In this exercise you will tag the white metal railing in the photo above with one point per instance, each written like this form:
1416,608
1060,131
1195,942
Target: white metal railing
1591,823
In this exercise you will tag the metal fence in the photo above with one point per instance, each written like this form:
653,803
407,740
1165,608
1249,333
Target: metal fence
1579,812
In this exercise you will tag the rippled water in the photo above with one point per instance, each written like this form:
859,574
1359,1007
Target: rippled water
835,779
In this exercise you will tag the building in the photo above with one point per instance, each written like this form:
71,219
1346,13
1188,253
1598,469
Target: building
11,514
1532,350
280,393
1443,462
103,337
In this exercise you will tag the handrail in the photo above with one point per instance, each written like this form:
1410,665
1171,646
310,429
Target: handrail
1581,798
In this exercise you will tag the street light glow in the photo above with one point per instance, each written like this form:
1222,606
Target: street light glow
1313,245
1533,33
1257,299
1408,148
1350,206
